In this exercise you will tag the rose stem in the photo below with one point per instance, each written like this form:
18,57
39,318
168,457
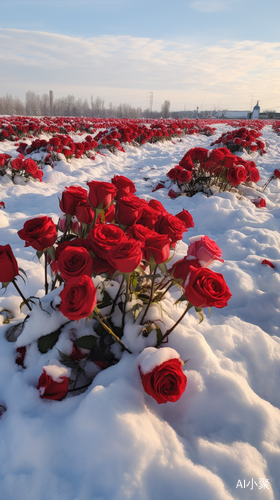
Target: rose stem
111,332
166,290
46,274
22,296
151,296
116,298
126,300
175,324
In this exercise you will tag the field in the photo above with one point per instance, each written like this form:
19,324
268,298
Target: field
112,441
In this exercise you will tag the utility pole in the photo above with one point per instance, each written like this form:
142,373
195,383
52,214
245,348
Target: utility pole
51,102
151,98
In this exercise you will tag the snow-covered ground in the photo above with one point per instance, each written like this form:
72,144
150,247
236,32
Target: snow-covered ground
221,440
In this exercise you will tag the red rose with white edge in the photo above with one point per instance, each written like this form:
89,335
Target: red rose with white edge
161,374
205,250
54,381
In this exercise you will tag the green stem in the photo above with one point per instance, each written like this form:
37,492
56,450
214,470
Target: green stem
46,274
175,324
151,296
126,300
116,298
22,296
111,332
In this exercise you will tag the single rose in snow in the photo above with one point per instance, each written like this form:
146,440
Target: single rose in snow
161,374
8,264
205,288
259,203
54,381
204,249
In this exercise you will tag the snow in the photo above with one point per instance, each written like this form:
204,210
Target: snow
114,442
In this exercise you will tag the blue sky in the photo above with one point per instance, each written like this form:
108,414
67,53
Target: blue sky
206,53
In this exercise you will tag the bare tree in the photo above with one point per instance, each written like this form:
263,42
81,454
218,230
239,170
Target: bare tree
165,109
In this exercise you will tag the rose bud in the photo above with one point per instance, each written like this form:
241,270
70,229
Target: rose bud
8,264
54,381
71,198
101,194
186,217
259,202
161,374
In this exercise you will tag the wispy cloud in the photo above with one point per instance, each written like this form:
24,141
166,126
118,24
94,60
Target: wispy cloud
123,68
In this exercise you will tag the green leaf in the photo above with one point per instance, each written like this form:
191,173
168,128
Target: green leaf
39,254
152,263
51,252
136,309
163,267
7,317
159,333
107,301
47,342
200,314
181,299
14,332
86,342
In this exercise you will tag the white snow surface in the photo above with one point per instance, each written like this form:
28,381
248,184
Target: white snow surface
114,442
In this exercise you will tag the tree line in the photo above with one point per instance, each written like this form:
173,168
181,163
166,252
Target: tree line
46,105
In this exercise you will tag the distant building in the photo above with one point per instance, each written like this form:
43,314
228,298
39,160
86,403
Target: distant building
256,112
231,114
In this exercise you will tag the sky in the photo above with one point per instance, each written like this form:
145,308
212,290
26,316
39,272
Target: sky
211,54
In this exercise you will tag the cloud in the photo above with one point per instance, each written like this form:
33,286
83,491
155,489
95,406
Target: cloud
124,69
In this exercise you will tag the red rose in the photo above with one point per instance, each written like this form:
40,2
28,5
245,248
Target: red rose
184,176
172,194
171,226
205,288
186,217
149,216
254,175
126,256
50,388
276,173
124,186
156,205
129,210
101,194
139,233
100,266
173,174
8,264
187,163
216,156
73,196
158,246
181,268
78,298
260,203
236,175
165,382
205,250
39,233
73,262
30,166
17,164
84,213
158,186
105,236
